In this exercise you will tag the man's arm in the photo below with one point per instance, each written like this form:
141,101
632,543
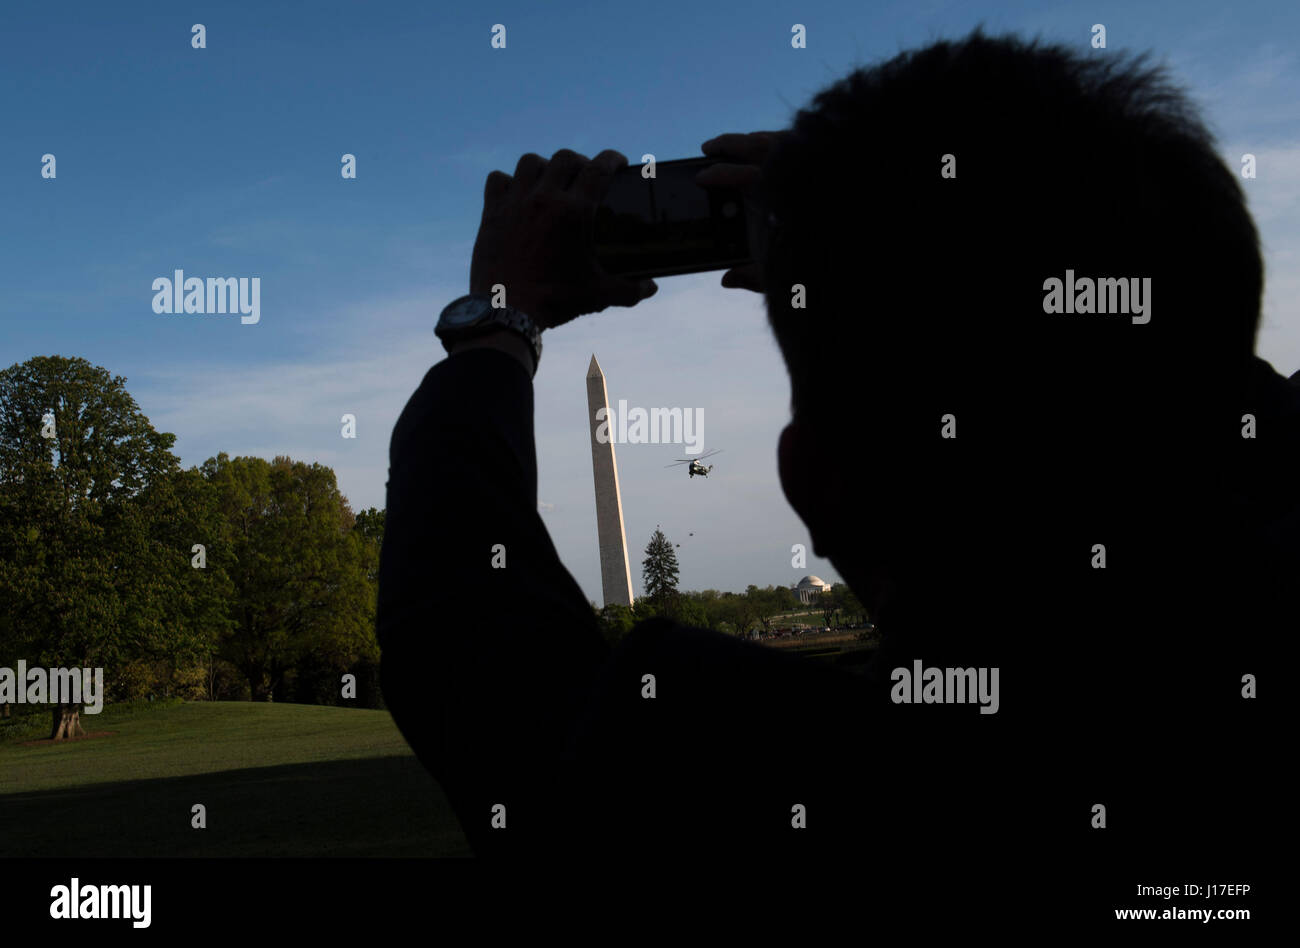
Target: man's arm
489,646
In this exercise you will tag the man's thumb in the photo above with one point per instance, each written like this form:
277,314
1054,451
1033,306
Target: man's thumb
621,292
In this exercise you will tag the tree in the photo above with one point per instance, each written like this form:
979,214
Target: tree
301,575
92,571
741,611
783,598
370,527
615,622
767,603
643,609
659,573
187,622
315,676
709,602
828,603
848,603
690,611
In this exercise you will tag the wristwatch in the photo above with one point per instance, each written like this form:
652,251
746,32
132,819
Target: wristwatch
474,315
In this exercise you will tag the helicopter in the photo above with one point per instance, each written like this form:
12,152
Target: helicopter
695,467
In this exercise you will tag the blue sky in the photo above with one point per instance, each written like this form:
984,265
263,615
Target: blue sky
225,162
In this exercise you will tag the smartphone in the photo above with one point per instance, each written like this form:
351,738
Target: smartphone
667,225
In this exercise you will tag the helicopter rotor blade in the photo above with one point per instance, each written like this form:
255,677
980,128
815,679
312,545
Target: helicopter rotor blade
702,457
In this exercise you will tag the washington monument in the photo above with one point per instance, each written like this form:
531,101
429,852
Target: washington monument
615,578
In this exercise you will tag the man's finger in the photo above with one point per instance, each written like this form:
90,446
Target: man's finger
529,170
593,180
619,291
498,183
748,277
743,146
562,169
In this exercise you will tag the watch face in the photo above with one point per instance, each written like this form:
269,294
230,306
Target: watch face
463,313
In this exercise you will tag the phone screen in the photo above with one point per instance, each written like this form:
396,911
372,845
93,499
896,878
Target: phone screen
665,225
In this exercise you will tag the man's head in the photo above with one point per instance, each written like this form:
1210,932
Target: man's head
921,205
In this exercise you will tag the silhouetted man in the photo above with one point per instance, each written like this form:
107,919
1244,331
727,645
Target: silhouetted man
1023,281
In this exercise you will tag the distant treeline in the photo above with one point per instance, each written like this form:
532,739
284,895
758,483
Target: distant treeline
734,613
239,579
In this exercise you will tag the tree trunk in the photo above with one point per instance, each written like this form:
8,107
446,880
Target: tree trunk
67,722
5,712
275,691
259,688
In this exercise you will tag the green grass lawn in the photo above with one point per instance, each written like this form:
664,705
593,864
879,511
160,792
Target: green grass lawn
277,780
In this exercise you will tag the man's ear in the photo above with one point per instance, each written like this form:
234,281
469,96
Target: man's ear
809,486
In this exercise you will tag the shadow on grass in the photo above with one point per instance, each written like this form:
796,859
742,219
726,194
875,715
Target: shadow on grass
381,806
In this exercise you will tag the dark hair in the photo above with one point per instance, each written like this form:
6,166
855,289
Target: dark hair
919,286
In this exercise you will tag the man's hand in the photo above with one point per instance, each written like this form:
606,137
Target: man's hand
536,239
745,175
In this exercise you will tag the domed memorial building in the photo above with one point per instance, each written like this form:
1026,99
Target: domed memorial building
809,588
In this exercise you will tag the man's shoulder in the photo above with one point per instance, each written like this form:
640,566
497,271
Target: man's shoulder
1268,501
1278,394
